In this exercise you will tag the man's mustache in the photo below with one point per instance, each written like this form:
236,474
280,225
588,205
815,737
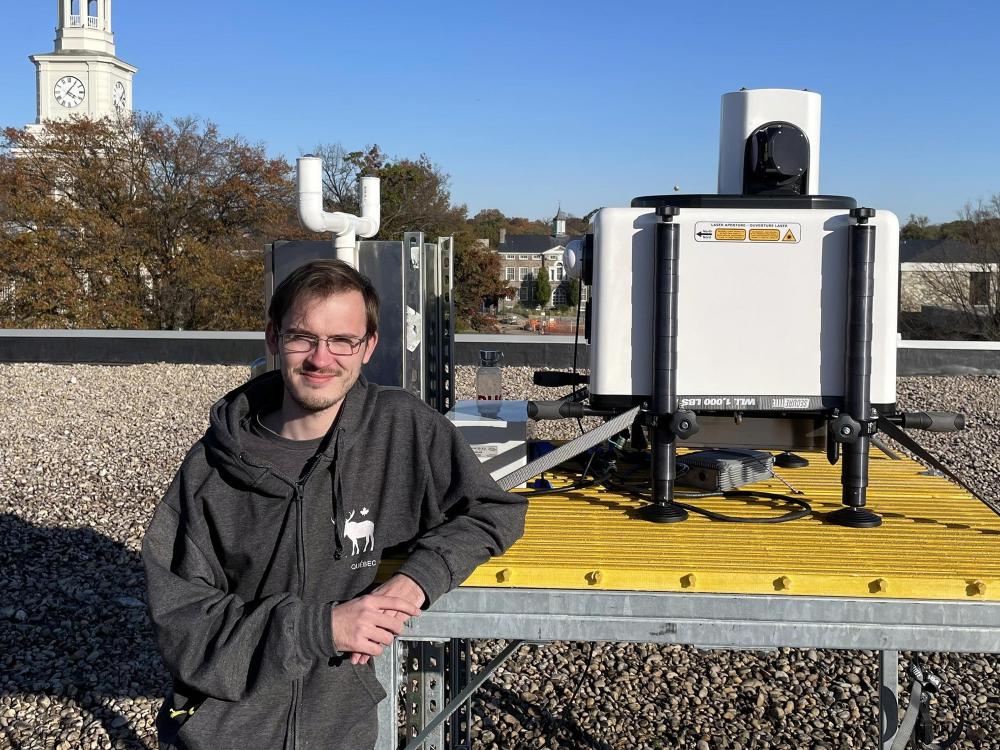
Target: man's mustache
316,371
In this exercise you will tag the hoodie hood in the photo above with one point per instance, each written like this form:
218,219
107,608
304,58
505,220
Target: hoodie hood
229,415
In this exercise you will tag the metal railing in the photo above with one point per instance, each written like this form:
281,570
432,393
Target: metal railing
77,21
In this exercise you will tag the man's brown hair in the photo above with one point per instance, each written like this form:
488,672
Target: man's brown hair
319,279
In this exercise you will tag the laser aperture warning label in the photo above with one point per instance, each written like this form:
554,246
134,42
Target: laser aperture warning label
747,231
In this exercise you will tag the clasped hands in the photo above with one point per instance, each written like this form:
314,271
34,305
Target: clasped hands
364,626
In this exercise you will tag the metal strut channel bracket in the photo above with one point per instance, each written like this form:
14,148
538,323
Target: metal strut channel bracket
458,668
434,725
423,694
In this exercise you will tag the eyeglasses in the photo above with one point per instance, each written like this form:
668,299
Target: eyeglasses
300,343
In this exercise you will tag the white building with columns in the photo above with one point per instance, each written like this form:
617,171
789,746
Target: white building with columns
82,76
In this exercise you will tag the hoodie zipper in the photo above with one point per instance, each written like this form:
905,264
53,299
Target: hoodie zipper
301,549
301,544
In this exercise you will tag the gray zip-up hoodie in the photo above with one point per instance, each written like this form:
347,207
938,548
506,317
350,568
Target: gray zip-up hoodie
243,565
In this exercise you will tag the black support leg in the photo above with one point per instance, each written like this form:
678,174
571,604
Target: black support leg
858,370
667,253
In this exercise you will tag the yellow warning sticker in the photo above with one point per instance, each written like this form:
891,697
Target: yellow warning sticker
730,234
747,231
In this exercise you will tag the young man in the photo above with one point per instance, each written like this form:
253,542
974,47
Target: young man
261,557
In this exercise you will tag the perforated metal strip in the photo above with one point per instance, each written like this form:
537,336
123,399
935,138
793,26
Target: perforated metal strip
568,450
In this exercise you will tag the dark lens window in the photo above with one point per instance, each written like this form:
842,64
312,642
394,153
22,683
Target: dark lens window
776,160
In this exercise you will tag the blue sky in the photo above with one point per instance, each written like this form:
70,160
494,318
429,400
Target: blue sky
526,104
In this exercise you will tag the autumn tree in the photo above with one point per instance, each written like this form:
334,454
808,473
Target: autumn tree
478,280
137,223
488,223
521,225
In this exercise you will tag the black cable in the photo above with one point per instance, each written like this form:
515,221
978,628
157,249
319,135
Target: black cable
806,508
581,482
564,488
623,485
576,342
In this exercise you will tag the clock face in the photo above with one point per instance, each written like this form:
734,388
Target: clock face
69,91
120,95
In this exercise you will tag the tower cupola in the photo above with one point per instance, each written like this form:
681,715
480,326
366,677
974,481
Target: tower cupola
85,25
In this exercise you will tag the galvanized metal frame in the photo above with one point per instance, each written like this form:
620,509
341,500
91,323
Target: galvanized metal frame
446,322
457,675
713,620
888,700
708,621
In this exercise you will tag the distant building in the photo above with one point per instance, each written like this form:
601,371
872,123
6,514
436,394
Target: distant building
524,256
946,274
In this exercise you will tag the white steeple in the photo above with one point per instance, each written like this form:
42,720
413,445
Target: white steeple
83,76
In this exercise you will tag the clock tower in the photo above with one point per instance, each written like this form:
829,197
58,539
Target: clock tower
82,76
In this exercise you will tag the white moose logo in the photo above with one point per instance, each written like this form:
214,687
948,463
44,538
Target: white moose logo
356,530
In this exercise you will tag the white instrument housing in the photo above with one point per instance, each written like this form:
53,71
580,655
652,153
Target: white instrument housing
760,324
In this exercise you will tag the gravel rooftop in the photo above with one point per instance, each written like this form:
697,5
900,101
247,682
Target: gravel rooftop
87,451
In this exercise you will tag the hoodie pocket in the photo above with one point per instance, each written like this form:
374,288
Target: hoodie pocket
366,674
173,714
257,721
339,707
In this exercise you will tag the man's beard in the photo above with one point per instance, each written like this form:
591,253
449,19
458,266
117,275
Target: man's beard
317,402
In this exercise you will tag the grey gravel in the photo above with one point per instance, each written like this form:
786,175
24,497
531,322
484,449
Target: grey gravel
87,451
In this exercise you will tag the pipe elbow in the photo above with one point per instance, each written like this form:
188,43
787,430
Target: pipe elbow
311,212
366,227
371,207
309,171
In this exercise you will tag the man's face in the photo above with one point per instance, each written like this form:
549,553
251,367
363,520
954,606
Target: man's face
317,380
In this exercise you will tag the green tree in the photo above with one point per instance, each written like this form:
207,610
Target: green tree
917,228
573,292
543,288
487,225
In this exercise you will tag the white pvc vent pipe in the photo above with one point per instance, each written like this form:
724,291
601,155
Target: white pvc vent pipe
346,228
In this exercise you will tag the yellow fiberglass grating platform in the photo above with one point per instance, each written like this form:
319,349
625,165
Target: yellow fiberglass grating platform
936,542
